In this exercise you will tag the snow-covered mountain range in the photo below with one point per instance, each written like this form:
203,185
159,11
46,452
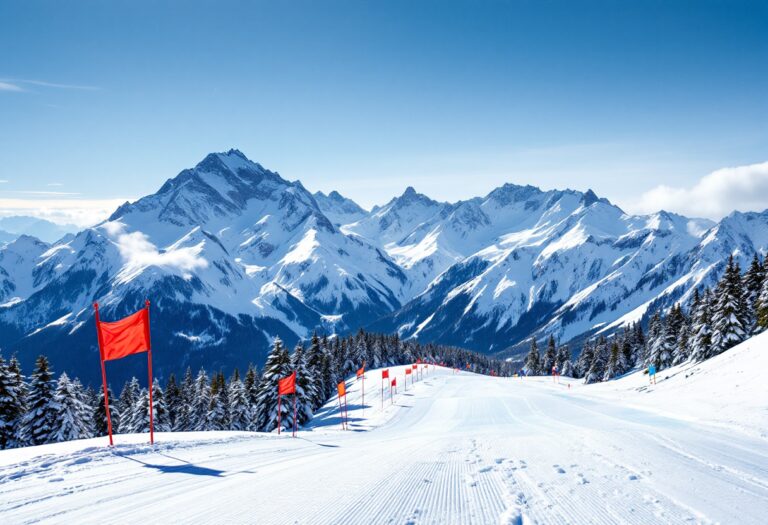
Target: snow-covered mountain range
231,255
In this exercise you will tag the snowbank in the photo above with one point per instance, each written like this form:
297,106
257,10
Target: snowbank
729,390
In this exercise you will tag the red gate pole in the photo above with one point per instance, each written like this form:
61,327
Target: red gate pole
294,414
149,366
279,397
103,373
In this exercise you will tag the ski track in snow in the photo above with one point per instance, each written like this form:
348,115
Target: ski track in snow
458,449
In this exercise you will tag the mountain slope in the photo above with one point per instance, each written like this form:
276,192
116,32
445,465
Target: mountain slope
230,254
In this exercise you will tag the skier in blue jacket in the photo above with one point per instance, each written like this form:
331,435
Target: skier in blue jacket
652,374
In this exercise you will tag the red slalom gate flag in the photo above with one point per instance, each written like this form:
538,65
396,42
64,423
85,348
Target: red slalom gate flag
118,339
407,371
341,388
286,386
129,335
385,374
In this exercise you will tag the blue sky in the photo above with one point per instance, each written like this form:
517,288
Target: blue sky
103,101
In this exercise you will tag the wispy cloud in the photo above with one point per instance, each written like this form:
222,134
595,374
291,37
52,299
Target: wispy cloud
742,188
3,181
17,84
49,193
8,86
80,212
54,184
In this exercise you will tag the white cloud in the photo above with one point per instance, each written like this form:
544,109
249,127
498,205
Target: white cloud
743,188
8,86
138,253
13,84
80,212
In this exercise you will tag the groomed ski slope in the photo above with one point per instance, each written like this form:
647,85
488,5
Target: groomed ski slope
452,449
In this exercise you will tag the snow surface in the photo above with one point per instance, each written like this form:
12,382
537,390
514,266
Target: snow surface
453,448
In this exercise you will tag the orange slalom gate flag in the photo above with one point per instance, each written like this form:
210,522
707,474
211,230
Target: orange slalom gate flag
360,372
342,389
287,385
129,335
385,374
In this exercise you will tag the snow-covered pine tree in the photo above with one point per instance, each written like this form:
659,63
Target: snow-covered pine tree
125,406
251,387
614,365
160,414
533,360
219,410
761,305
305,386
200,407
564,360
68,412
682,350
39,421
664,344
172,400
599,362
241,413
278,366
11,407
184,420
752,285
627,350
87,405
314,363
655,327
100,414
139,414
550,356
700,339
728,316
584,361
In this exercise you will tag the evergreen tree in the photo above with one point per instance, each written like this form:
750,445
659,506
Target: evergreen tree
100,414
11,407
87,406
200,407
126,405
39,421
761,304
584,360
219,415
564,360
184,419
614,366
139,413
532,361
599,363
315,367
663,345
173,401
160,414
700,340
68,411
277,366
728,317
550,357
241,412
752,284
306,391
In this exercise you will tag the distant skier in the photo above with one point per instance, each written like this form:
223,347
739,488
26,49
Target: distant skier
555,374
652,374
